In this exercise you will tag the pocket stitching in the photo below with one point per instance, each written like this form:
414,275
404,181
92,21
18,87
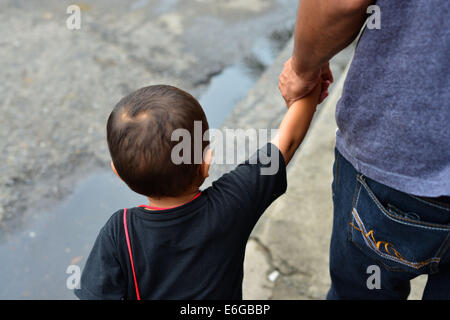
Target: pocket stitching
416,265
430,203
380,260
405,221
377,258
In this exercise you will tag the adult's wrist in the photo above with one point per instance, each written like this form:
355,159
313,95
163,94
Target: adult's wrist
303,71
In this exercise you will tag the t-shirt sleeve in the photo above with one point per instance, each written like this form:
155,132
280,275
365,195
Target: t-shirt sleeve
102,277
253,185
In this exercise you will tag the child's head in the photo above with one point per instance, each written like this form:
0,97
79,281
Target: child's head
139,134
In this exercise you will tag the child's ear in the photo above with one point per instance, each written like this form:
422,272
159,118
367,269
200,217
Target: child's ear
114,169
207,159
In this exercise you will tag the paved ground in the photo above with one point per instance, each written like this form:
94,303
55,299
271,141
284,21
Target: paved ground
59,85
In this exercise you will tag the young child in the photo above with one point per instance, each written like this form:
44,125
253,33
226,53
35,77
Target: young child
187,244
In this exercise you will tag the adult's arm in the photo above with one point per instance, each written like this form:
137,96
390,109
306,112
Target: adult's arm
323,28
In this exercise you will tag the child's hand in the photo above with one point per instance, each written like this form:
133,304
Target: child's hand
313,98
319,91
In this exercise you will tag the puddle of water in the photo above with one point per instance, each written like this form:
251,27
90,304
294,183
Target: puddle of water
34,262
138,4
229,87
161,7
265,50
166,6
224,92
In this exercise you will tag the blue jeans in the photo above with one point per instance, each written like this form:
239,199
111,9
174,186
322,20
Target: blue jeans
383,238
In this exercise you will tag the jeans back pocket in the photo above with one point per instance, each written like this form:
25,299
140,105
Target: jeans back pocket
400,240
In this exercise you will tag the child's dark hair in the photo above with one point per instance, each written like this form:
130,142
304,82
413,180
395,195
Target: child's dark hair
139,134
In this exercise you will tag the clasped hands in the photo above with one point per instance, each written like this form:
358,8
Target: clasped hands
294,85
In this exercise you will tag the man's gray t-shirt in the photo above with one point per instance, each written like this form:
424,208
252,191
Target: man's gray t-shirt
394,115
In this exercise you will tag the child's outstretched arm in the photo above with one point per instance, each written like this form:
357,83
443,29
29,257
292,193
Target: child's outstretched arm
296,123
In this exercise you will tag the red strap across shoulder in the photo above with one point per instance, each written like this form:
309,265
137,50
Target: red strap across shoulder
129,252
125,224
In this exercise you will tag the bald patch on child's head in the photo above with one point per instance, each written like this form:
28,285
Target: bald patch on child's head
126,117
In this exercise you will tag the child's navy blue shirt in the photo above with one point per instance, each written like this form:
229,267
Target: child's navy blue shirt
195,251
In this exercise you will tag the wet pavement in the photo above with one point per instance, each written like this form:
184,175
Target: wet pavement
231,85
35,260
58,229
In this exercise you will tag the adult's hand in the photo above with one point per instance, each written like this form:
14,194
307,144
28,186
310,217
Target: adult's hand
323,29
294,85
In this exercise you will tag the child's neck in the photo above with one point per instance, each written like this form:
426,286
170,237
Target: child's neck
170,202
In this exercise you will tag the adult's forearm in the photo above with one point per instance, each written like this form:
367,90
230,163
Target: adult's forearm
325,27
